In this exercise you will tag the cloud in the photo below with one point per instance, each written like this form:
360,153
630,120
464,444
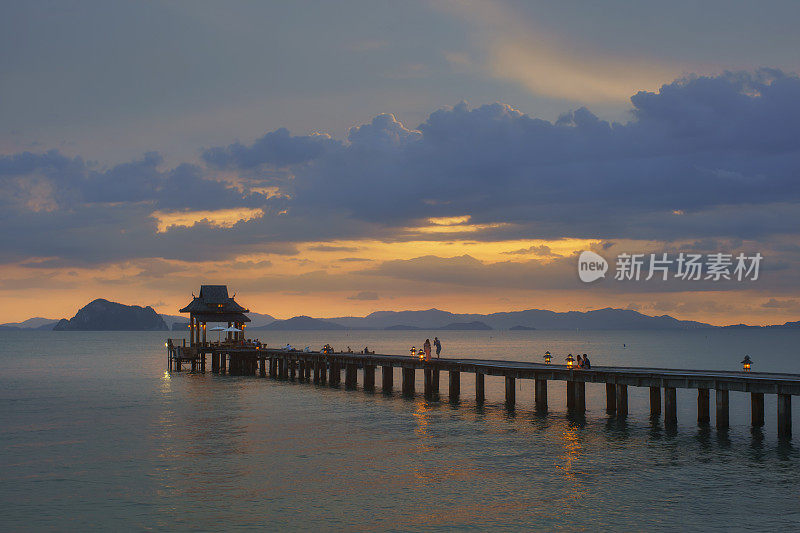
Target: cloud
276,149
364,295
723,150
542,250
331,248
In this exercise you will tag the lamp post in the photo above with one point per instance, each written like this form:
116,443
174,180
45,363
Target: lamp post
746,362
547,358
570,361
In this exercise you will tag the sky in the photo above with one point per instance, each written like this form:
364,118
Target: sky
338,158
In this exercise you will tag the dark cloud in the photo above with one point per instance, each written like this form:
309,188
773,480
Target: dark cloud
705,159
276,149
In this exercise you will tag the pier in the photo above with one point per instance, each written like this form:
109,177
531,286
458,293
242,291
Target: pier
237,356
327,369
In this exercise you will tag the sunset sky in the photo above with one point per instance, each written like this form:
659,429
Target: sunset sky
338,158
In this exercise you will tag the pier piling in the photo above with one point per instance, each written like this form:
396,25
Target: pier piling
722,409
387,376
455,386
757,409
655,402
409,376
511,392
703,409
254,360
540,394
350,376
784,415
369,378
570,395
622,400
670,406
480,387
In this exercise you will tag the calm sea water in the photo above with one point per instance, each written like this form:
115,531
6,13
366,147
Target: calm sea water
95,435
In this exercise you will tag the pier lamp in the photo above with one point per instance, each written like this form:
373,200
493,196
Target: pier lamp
746,362
413,351
421,353
570,361
547,358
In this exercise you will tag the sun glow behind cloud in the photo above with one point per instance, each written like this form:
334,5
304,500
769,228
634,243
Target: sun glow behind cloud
223,218
518,50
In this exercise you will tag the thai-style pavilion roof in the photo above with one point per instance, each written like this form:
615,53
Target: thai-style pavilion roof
214,305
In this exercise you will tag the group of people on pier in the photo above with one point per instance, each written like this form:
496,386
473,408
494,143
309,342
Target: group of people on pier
425,351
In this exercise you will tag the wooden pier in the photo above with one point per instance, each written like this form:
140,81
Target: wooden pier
319,368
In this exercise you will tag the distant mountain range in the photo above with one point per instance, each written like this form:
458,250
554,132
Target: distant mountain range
104,315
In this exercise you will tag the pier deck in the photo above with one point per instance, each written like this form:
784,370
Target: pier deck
327,368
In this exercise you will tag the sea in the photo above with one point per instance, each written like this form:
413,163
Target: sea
95,434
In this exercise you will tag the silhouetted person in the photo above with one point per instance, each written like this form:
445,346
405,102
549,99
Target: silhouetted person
580,361
427,348
586,363
438,344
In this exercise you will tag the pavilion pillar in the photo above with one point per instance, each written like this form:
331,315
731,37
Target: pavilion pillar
480,388
435,377
191,329
262,367
757,408
204,333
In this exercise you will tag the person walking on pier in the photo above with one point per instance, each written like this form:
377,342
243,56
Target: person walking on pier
438,344
427,348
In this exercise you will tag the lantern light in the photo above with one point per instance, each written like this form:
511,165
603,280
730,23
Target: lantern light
570,361
413,351
421,353
547,357
746,362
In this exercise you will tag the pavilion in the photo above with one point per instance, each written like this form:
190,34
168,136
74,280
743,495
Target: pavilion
214,305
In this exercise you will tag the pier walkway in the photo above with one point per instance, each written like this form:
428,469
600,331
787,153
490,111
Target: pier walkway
327,369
